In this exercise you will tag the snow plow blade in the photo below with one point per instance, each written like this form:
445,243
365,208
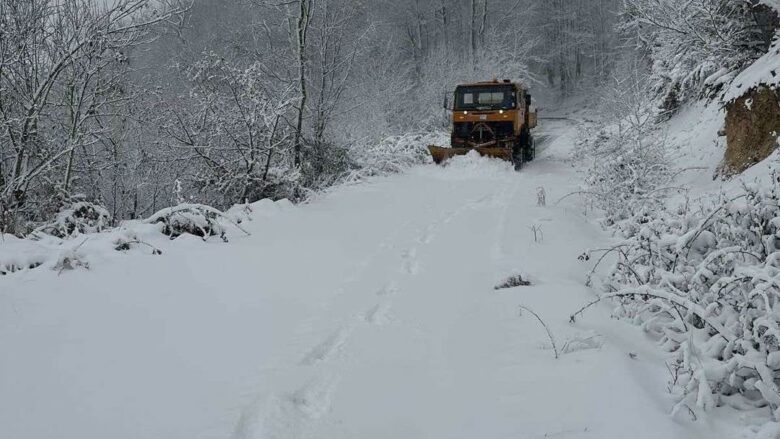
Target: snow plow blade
441,155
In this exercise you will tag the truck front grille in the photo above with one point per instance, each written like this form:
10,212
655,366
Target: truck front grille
466,131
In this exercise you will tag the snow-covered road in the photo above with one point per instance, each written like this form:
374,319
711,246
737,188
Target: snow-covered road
369,313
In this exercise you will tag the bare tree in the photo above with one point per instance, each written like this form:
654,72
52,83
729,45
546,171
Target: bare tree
231,128
60,70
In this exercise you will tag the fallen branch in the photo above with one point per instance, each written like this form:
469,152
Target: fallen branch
579,193
645,291
546,328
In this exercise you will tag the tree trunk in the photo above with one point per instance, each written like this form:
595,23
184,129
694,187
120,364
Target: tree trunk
483,24
445,31
473,30
302,29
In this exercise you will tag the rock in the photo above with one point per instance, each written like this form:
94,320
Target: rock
752,129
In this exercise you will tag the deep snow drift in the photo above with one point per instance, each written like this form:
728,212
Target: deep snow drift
368,313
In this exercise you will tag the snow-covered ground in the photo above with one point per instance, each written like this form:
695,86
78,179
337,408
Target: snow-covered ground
696,150
368,313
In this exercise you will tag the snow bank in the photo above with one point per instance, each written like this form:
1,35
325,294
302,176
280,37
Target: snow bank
55,253
20,254
695,147
473,165
81,248
769,431
764,71
692,138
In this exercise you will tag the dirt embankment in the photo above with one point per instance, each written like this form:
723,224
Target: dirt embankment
752,129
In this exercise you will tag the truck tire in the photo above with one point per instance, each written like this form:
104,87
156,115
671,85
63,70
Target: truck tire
525,146
530,149
517,161
518,156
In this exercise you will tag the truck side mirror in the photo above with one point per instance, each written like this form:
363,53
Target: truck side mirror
528,99
446,102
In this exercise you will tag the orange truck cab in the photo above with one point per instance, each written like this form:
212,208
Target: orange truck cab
495,119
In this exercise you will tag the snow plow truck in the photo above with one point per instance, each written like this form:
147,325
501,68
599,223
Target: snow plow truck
492,118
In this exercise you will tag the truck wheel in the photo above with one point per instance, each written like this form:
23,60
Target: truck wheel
530,149
517,158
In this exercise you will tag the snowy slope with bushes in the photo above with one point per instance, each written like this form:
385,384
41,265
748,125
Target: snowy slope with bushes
694,257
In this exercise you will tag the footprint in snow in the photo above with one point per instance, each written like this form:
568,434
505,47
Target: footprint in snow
292,415
327,349
378,315
387,290
410,263
314,399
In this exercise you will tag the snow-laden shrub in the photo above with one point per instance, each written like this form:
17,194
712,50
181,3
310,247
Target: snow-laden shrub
45,251
628,169
324,165
393,154
78,218
71,260
627,175
193,219
700,278
126,239
696,47
705,283
18,254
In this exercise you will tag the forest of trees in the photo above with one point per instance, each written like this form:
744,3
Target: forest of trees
136,105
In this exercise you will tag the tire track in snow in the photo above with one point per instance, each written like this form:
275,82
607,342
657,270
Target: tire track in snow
292,415
498,251
331,346
337,339
410,261
296,414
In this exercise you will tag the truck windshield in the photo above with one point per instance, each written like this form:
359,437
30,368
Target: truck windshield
484,98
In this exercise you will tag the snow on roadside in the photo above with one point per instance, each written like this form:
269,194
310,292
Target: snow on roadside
85,250
681,252
57,246
696,148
